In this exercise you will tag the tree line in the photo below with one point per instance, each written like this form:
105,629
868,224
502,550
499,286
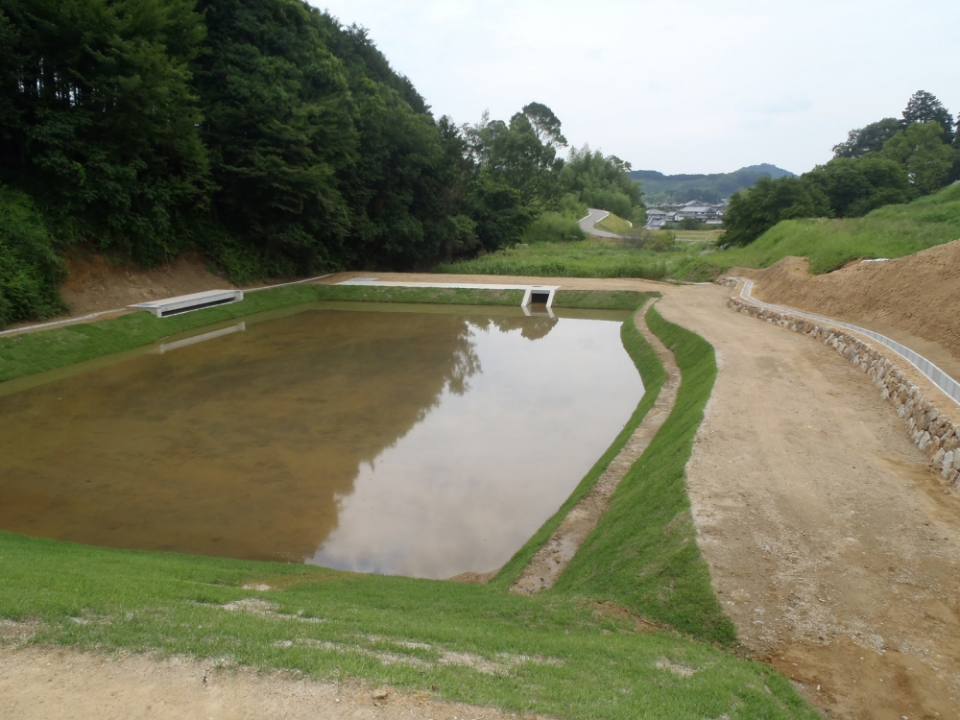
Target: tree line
265,133
889,161
660,188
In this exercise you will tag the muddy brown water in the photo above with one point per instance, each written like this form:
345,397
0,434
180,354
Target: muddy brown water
422,441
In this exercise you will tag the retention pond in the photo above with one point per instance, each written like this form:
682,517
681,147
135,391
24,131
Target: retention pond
416,440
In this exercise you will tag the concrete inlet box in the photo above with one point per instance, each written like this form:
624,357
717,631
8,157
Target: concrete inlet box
188,303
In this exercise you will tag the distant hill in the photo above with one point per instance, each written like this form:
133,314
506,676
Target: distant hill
658,187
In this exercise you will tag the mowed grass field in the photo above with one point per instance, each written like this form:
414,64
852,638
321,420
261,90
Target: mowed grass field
633,629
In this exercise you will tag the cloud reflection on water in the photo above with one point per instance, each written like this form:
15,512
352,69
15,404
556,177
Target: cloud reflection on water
400,442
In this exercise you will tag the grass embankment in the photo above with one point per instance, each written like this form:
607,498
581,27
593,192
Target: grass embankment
557,653
615,224
602,300
891,231
654,375
644,554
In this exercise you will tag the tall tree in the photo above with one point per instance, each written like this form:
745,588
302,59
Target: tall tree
100,120
921,150
867,139
855,186
406,187
924,107
546,125
602,182
9,77
520,154
279,127
752,212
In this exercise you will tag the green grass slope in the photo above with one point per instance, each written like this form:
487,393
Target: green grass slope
615,224
547,655
643,554
891,231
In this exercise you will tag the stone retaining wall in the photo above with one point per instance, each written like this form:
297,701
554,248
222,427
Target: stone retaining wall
932,432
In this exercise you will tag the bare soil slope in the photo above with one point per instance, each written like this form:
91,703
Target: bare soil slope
914,300
94,285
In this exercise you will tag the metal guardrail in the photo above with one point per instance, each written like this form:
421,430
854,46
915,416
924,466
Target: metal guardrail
938,377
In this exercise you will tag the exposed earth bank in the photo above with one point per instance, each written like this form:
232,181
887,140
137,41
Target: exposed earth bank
914,300
95,285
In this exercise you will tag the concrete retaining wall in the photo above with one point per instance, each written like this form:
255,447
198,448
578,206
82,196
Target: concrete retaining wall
932,432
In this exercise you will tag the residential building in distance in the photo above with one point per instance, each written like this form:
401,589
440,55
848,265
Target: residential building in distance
707,213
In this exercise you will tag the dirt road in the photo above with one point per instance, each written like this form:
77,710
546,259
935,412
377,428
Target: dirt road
43,684
832,544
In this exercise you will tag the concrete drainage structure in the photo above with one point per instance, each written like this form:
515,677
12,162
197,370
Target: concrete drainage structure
533,294
188,303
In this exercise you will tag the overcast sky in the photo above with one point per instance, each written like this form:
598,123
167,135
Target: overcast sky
688,86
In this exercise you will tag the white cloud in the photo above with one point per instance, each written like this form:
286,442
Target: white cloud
686,86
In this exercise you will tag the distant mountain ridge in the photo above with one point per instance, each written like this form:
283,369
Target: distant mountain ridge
658,187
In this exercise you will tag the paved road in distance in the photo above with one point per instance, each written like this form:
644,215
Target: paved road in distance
587,224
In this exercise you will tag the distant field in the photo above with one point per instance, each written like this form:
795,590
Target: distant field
589,258
697,235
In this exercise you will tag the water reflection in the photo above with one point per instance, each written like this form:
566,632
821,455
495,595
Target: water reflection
418,443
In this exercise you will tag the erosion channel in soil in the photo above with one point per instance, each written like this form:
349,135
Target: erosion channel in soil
423,441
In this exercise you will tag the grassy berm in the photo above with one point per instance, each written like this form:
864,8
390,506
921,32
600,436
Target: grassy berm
633,629
891,231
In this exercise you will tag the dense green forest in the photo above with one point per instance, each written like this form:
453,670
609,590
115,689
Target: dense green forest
264,133
887,162
660,188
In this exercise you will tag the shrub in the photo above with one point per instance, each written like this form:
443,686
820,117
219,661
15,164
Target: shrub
30,269
655,240
553,227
